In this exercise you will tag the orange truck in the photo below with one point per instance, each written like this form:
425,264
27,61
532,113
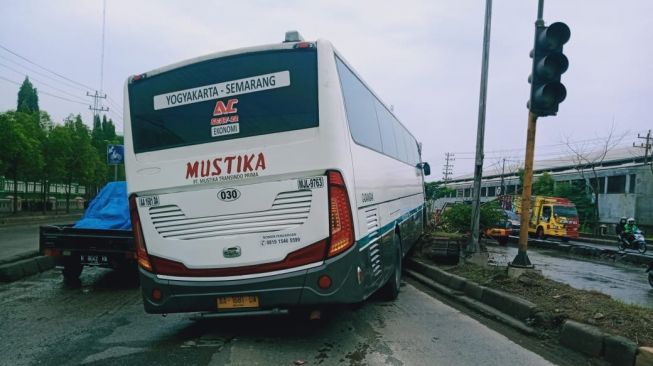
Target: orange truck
553,217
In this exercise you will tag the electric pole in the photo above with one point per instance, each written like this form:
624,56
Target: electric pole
472,246
503,168
97,106
647,146
447,170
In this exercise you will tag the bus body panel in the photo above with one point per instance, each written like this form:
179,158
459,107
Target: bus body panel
389,198
265,223
276,291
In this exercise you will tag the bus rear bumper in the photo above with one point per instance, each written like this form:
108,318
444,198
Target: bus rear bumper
280,291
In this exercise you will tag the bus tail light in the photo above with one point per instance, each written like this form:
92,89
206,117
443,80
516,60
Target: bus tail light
139,242
340,219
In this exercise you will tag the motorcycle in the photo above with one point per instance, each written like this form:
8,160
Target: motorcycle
636,241
650,274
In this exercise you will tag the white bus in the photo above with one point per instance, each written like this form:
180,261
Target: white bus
267,178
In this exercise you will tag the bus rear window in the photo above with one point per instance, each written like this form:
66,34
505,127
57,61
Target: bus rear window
227,98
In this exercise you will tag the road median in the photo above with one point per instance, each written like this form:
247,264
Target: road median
531,318
22,267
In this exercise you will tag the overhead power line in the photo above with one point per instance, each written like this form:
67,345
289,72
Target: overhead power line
539,147
104,22
44,92
32,71
40,81
45,68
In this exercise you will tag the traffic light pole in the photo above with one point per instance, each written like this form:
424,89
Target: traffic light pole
521,260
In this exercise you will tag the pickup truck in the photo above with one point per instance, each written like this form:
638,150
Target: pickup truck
103,236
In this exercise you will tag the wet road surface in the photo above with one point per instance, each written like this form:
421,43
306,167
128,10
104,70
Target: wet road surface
101,322
627,283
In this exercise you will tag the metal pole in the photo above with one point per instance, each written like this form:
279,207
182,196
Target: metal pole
472,246
115,173
522,260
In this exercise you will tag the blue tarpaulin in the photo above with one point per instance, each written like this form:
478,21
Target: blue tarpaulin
108,210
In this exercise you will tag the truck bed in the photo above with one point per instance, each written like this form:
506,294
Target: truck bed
66,237
97,247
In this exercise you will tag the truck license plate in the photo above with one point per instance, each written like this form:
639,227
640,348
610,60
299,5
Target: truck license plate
94,259
238,302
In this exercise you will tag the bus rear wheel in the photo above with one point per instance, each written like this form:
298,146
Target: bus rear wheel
390,291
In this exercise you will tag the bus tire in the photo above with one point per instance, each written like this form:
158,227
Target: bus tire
390,291
539,233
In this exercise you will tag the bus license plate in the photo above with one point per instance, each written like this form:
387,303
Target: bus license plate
237,302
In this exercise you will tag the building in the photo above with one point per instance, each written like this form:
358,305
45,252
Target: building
30,193
624,176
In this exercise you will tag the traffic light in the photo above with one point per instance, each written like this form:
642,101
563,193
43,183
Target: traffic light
548,64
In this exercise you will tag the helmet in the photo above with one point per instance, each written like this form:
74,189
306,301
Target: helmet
631,220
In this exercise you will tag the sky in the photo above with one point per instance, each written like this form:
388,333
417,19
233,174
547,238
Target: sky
421,57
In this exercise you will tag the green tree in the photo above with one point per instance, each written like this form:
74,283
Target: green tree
435,190
79,156
108,129
45,122
459,216
578,195
544,185
56,150
20,156
520,175
96,133
28,99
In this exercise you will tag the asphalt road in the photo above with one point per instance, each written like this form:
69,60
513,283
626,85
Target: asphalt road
21,238
101,322
18,239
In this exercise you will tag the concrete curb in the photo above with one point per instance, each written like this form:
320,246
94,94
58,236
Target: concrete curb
504,307
15,270
591,251
517,313
591,341
22,220
582,338
477,306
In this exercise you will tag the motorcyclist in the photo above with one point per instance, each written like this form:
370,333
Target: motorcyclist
620,226
629,229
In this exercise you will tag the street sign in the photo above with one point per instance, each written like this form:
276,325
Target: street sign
115,154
